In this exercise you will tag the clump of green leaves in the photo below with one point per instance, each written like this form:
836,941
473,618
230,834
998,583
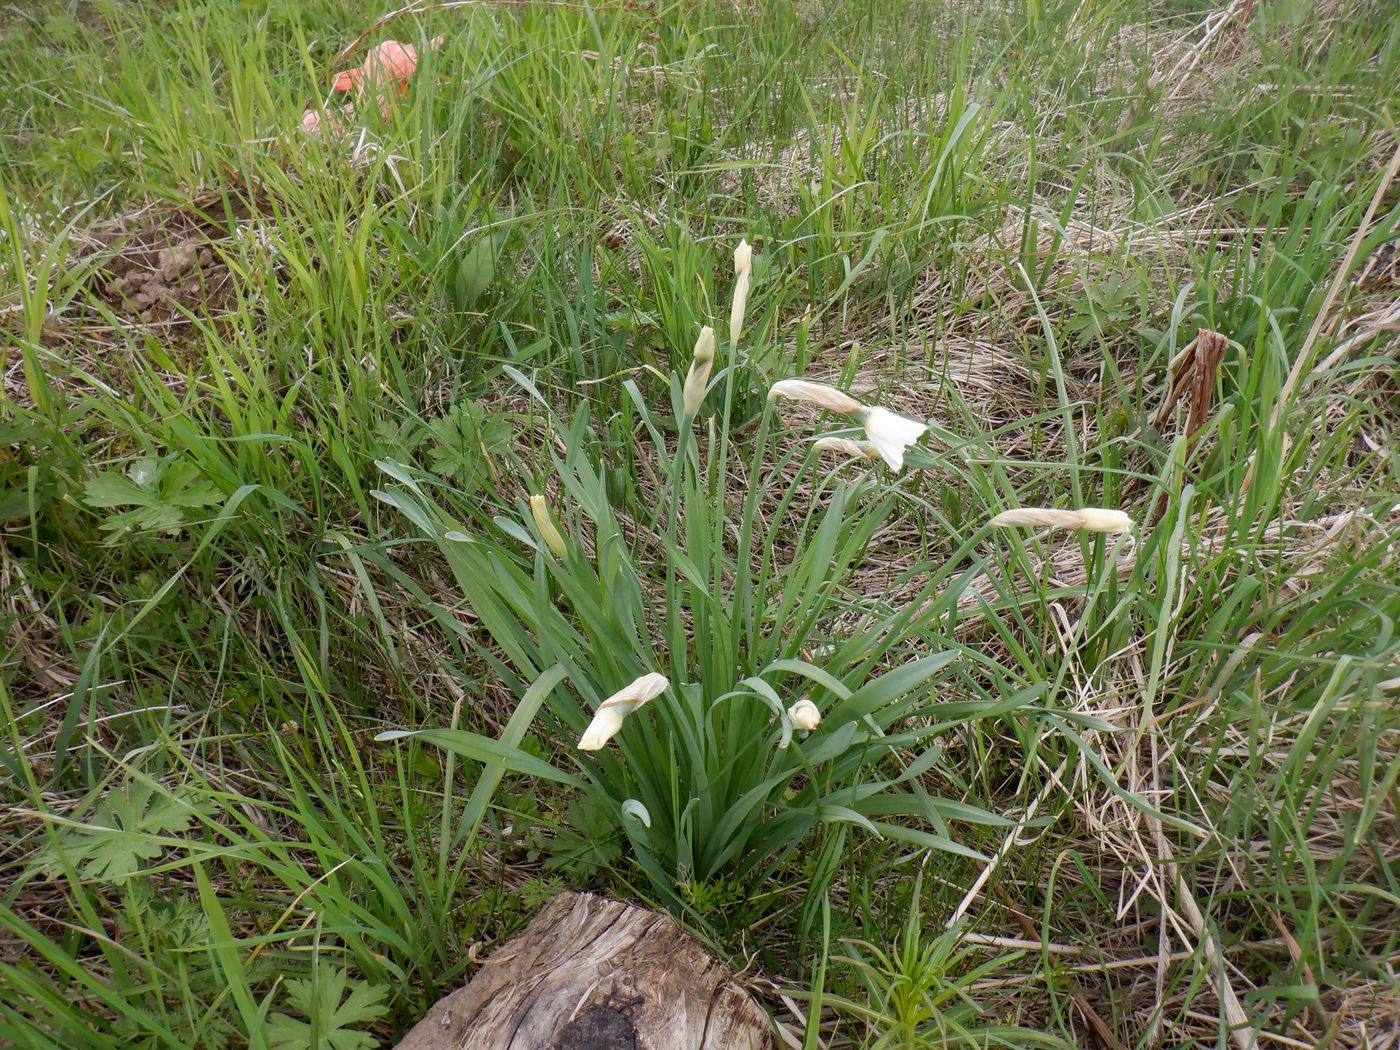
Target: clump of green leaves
584,844
461,440
162,492
128,828
714,779
917,991
458,445
334,1009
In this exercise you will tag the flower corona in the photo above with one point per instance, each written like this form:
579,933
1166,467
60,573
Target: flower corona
805,715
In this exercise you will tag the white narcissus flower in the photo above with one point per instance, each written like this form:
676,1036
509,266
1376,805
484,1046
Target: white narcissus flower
805,714
847,447
818,394
611,712
698,378
891,434
743,267
1090,519
552,539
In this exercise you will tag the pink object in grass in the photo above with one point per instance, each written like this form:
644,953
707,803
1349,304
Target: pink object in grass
389,63
384,73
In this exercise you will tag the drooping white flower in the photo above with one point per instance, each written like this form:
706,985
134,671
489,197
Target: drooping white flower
1090,519
552,539
698,378
818,394
891,434
743,268
611,712
846,447
805,714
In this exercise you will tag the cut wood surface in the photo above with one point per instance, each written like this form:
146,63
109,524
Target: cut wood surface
595,974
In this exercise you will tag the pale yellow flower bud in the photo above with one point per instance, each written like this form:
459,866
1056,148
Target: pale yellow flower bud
743,258
743,267
611,712
548,532
1090,519
698,378
846,447
1099,519
805,714
818,394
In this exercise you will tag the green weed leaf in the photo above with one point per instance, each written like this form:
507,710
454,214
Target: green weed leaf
161,492
461,441
122,833
331,1015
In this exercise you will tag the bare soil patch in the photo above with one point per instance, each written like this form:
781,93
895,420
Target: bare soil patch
164,263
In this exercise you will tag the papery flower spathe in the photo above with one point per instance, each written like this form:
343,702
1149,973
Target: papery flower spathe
847,447
539,508
805,714
743,268
1090,519
611,712
698,378
819,394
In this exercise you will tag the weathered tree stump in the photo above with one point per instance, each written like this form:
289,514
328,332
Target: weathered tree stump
595,974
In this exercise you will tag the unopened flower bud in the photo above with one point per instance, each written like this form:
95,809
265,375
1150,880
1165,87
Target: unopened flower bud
697,379
548,531
805,714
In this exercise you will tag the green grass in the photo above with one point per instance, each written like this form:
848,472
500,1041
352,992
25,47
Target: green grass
1007,220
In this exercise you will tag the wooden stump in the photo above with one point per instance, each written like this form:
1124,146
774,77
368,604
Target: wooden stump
595,974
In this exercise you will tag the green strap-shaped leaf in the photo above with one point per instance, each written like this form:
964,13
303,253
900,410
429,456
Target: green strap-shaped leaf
480,748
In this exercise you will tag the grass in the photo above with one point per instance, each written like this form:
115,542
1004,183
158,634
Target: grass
1007,219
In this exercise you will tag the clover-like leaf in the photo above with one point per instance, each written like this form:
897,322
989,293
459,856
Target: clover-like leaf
161,492
463,438
122,833
330,1014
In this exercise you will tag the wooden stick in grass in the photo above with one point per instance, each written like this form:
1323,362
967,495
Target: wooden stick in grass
1324,313
1302,363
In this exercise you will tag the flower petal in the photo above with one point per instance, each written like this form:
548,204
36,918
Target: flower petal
805,714
391,60
891,434
347,80
606,722
646,688
611,712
